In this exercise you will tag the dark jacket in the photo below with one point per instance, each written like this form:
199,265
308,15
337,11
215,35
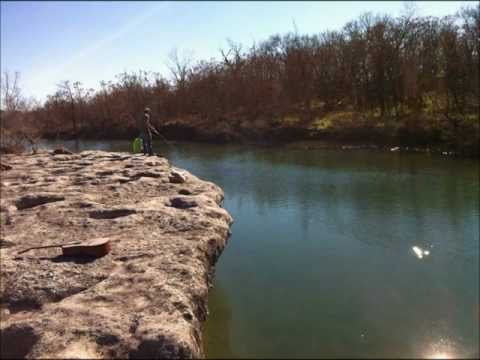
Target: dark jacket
146,127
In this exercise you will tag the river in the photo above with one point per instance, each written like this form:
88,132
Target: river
340,253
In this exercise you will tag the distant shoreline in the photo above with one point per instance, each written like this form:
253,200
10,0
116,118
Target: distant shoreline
302,144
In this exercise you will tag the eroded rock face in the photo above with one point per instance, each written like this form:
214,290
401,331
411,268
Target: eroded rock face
147,297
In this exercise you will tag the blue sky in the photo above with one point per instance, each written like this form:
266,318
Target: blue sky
48,42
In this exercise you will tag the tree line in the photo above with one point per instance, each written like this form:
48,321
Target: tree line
409,74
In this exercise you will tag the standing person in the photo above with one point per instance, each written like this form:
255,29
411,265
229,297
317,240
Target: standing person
146,129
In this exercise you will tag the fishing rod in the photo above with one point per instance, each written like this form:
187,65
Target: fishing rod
163,138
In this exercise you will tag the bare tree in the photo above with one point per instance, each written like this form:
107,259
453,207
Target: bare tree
18,126
66,92
10,91
179,65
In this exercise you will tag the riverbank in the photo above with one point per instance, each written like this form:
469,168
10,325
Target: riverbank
147,298
336,130
304,145
339,130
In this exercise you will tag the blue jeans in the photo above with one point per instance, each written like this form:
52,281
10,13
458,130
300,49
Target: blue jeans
147,144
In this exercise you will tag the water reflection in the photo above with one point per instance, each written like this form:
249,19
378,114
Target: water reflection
440,355
217,332
420,253
442,349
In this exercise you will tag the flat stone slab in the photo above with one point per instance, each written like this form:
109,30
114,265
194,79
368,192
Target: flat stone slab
147,298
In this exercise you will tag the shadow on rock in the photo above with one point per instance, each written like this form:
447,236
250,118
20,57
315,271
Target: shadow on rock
161,348
75,259
17,341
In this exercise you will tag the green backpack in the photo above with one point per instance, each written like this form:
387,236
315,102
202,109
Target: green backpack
137,145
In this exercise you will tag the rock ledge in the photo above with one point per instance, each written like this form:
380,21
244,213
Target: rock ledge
148,297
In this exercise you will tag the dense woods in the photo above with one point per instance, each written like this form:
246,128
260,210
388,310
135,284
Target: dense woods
408,80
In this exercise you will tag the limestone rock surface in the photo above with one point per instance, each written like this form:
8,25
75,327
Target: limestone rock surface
147,298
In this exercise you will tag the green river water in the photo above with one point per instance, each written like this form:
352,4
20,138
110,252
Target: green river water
340,253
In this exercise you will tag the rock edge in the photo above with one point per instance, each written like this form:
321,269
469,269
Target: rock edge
148,297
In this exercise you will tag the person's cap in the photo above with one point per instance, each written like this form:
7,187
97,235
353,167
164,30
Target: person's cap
147,109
